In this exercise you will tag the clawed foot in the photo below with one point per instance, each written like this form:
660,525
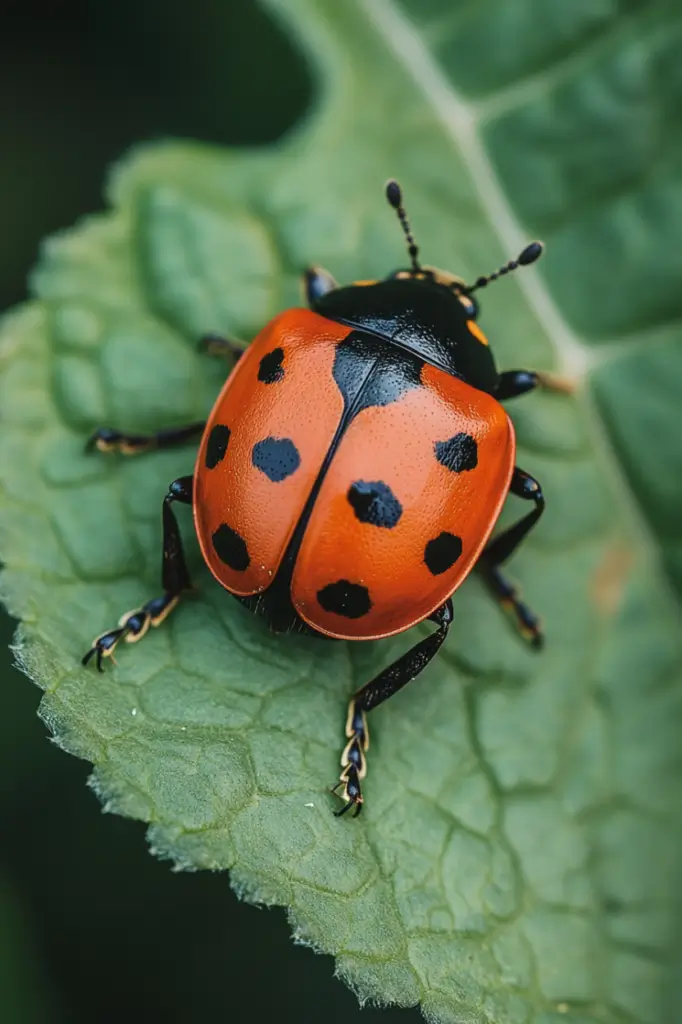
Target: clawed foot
132,626
526,623
353,761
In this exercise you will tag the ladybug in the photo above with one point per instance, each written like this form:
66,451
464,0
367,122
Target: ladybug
351,472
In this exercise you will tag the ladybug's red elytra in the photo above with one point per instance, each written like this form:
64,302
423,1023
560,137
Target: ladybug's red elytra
351,472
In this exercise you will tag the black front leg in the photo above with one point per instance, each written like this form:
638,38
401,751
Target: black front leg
517,382
133,625
317,282
374,693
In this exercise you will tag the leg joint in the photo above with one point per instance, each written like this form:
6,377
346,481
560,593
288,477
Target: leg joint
523,485
180,490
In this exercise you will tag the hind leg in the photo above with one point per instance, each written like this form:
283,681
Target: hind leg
374,693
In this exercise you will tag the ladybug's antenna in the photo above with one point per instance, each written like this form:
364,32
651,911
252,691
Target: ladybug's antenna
395,197
530,254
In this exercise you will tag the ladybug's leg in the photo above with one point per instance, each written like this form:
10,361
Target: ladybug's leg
518,382
106,439
498,551
216,345
133,625
317,282
379,689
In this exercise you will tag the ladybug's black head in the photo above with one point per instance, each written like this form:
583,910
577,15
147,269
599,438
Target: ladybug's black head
420,309
442,278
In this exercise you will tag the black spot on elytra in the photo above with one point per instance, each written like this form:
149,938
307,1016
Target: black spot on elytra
441,553
345,598
277,457
458,454
231,548
270,368
369,371
375,503
216,445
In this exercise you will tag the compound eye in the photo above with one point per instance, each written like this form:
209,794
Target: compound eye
468,303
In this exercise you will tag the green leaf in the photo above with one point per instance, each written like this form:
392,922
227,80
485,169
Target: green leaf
517,860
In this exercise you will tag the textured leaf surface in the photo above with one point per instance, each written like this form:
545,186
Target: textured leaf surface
518,860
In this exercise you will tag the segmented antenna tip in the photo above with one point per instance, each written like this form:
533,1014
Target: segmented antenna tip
394,194
531,253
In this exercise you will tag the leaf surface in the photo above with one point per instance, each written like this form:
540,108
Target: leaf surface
517,860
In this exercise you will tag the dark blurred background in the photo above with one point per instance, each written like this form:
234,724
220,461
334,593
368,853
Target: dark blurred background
92,928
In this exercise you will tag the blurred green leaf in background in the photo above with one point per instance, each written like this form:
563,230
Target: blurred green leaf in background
519,856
